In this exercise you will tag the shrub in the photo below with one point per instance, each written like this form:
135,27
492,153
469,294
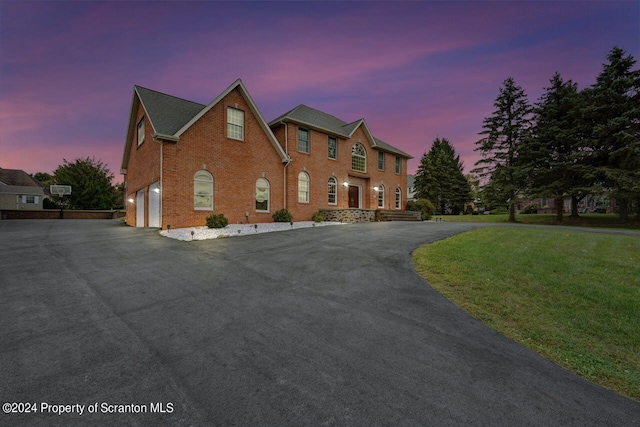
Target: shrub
531,209
217,221
499,211
424,206
282,215
318,217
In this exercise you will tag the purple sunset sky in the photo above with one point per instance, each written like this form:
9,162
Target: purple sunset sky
414,70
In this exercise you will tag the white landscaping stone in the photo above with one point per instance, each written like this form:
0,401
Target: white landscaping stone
204,233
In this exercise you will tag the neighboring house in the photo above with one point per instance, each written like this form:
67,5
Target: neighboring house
599,203
19,191
184,161
411,187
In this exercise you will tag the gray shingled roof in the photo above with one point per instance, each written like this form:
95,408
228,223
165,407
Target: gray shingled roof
18,177
167,113
311,117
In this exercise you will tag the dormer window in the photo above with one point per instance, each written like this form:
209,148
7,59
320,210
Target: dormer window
140,131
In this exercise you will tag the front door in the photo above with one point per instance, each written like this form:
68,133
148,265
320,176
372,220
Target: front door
354,196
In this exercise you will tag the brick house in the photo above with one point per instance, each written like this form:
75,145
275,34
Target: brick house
183,161
19,191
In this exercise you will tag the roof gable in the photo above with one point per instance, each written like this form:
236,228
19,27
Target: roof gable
170,116
166,113
307,116
18,177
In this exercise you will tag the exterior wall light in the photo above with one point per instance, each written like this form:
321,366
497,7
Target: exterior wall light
130,200
375,188
346,184
157,190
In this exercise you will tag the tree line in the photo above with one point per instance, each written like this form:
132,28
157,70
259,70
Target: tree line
571,143
91,184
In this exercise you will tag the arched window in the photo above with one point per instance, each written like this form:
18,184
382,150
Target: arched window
303,187
398,198
203,191
381,196
262,195
358,158
333,191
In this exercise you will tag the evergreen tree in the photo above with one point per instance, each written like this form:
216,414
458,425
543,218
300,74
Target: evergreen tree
613,115
555,157
506,132
440,178
90,182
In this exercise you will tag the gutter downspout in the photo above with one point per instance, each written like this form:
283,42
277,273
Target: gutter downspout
284,170
161,182
160,139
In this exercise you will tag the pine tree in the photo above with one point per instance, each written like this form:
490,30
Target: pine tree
506,133
440,178
613,116
555,156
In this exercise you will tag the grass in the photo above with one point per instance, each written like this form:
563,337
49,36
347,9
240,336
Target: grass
584,220
571,296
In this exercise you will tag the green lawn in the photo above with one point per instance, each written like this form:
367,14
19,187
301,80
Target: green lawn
571,296
584,220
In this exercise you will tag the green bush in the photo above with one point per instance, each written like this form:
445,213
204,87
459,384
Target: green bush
531,209
282,215
318,217
424,206
499,211
217,221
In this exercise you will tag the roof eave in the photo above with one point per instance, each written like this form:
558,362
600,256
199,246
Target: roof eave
165,137
310,126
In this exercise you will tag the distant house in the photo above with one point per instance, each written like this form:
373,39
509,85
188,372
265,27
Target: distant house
19,191
184,161
411,187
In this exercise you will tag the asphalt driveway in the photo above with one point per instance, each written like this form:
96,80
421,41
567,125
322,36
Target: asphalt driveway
319,326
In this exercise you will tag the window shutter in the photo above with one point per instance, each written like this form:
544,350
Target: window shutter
24,199
35,199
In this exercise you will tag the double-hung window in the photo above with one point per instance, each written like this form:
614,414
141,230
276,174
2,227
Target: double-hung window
333,148
358,158
398,164
203,191
141,131
303,140
235,123
262,195
303,187
332,191
398,198
381,160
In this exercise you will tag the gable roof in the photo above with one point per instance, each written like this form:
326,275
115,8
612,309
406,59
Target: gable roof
17,181
332,125
166,113
170,116
17,177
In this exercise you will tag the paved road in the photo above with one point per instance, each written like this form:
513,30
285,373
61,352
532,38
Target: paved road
324,326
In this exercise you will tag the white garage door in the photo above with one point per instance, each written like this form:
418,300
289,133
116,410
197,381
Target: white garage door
154,205
140,208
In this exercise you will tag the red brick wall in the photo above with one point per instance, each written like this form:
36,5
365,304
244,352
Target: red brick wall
320,168
235,166
143,169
